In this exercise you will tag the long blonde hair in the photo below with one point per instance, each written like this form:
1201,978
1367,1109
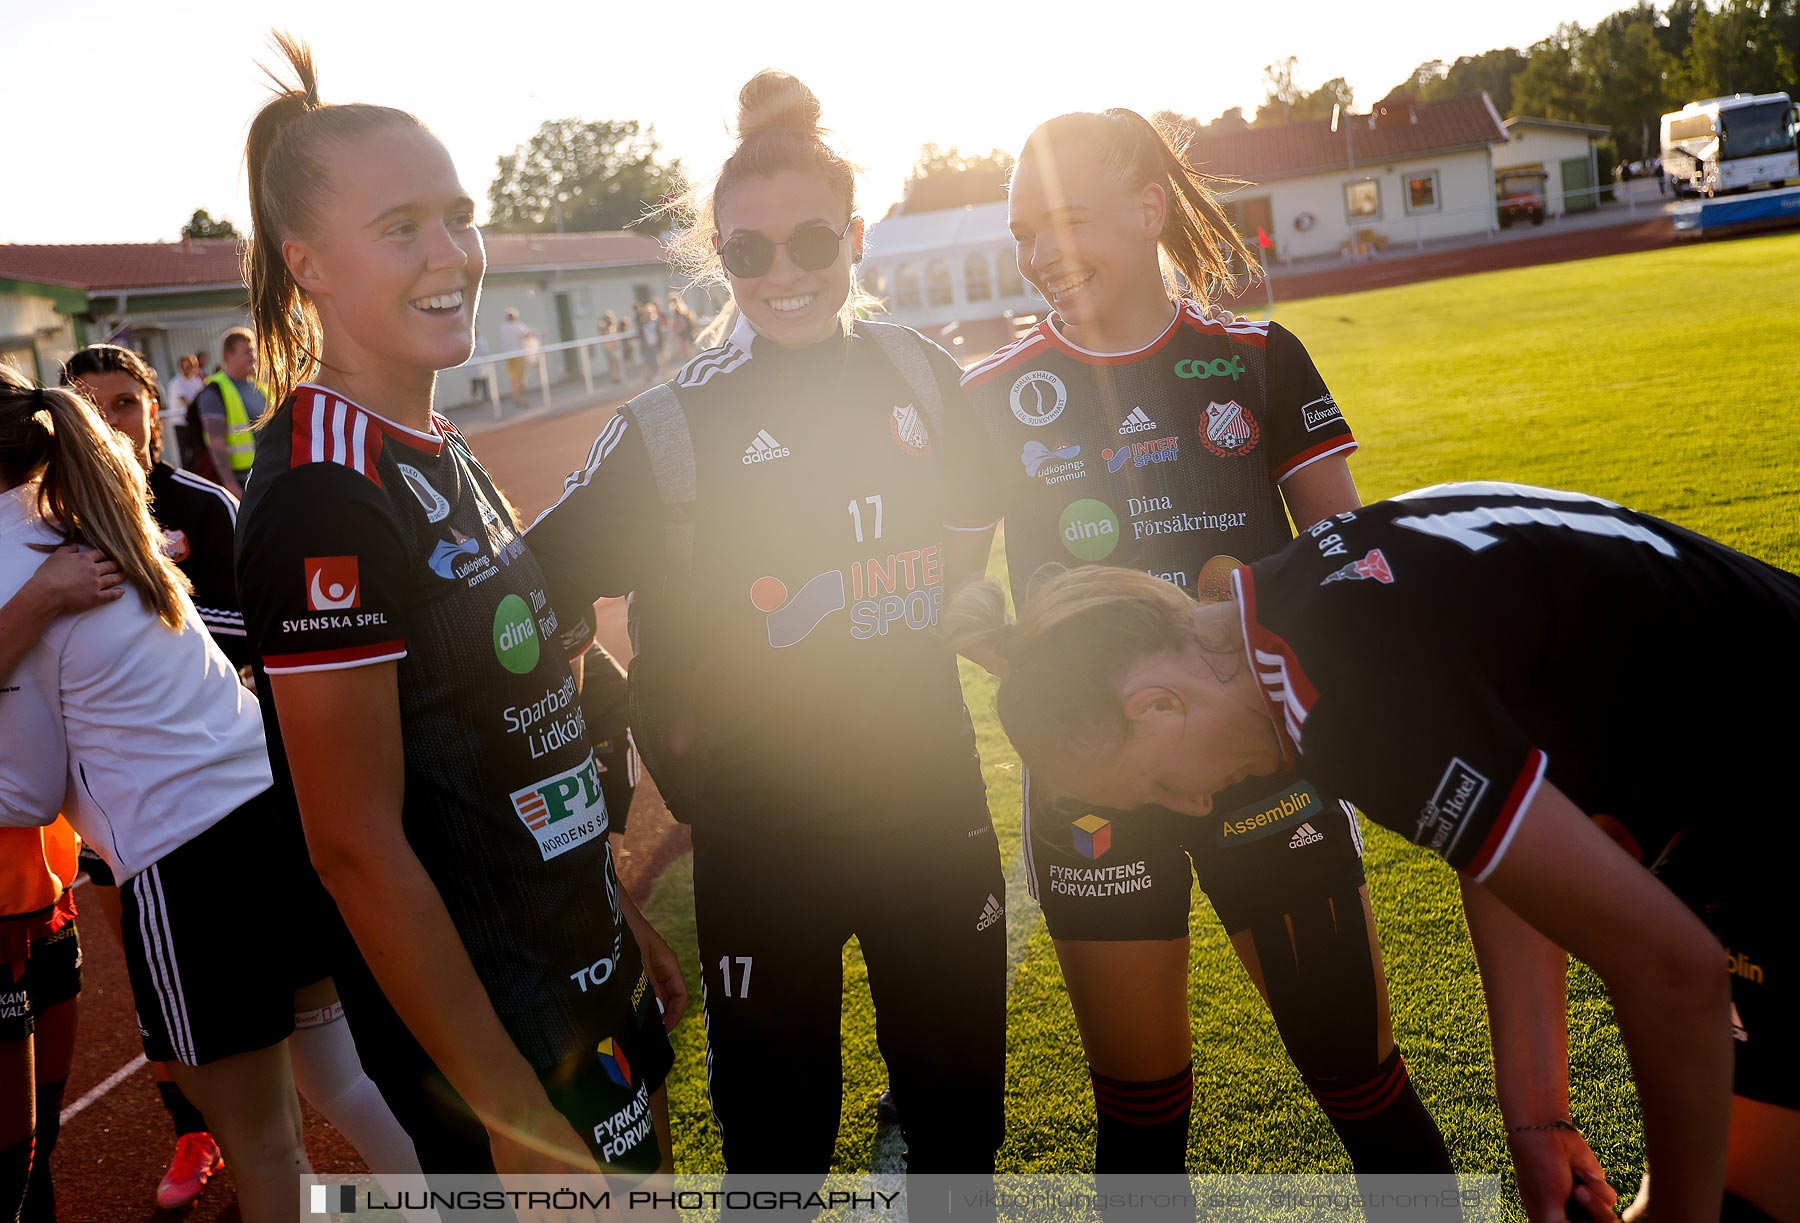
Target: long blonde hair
1079,632
1198,240
91,488
778,129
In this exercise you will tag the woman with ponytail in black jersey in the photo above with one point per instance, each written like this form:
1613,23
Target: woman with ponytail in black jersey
395,617
782,500
1135,426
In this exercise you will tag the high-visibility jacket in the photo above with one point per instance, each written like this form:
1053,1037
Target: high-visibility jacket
240,442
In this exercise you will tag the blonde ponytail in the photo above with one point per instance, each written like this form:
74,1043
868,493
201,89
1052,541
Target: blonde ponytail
90,486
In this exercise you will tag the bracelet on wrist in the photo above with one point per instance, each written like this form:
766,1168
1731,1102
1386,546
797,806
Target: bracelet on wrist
1561,1123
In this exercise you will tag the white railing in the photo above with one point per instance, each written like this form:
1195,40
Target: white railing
491,367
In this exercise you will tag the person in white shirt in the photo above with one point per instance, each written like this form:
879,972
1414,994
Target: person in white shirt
183,390
130,720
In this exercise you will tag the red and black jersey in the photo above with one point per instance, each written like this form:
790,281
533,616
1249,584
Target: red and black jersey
362,541
1433,658
1168,459
798,640
198,521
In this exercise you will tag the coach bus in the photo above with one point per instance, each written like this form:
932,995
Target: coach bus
1738,143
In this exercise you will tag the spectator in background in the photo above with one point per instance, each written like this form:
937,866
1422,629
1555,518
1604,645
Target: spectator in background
650,331
681,330
230,401
615,365
516,337
183,389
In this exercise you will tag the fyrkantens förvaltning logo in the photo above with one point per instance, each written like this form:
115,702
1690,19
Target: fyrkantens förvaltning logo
612,1060
1090,529
1038,397
515,636
1093,836
1218,367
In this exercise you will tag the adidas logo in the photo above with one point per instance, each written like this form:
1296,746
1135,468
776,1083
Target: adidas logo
1305,835
1138,422
764,449
991,912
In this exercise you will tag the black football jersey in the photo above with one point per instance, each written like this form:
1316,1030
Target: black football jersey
803,631
198,520
1435,657
1168,459
363,541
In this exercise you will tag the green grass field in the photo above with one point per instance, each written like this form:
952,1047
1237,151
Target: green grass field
1663,380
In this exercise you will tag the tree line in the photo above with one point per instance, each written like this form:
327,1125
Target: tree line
1622,73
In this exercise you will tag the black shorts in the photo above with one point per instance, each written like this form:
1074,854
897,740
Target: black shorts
605,1091
52,976
98,872
214,950
1113,876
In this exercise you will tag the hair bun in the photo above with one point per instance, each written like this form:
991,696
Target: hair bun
777,101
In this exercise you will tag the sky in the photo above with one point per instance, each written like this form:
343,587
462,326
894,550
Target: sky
130,115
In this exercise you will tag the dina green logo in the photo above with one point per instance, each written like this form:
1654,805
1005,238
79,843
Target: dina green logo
515,636
1090,530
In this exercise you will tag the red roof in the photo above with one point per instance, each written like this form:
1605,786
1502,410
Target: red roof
1294,149
213,263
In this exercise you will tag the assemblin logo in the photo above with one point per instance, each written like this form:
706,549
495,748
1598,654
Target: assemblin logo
1262,818
1741,966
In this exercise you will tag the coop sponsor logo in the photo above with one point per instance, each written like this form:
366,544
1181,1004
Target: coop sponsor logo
1219,367
563,811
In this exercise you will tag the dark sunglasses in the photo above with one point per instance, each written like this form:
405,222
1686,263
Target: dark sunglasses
813,247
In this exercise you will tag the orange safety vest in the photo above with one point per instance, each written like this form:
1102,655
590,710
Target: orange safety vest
36,866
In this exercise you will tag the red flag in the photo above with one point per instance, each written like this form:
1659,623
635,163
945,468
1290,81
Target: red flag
1262,238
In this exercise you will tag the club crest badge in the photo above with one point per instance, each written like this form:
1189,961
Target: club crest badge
1230,429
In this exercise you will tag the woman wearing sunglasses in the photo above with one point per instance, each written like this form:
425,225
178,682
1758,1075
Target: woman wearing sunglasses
788,563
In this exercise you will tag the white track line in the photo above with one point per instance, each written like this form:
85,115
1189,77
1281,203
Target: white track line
111,1081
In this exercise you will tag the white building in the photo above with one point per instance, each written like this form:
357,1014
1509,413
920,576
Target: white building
1407,174
952,266
1564,152
169,298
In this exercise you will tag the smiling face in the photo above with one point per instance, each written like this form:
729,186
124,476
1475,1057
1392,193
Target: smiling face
790,305
1086,241
125,405
394,261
